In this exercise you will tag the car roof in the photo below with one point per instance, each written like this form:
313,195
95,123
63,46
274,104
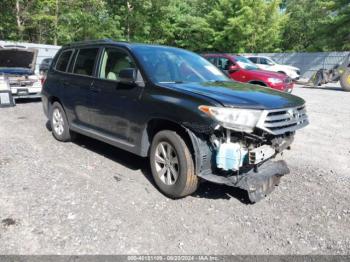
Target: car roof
259,56
110,42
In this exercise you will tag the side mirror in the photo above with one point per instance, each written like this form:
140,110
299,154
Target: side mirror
127,76
233,68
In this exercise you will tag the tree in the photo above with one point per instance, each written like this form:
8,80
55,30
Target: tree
182,26
304,19
246,26
8,28
90,19
211,25
335,32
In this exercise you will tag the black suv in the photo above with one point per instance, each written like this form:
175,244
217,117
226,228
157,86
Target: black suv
176,108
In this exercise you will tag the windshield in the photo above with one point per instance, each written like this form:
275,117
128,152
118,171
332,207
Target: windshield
270,61
245,63
173,65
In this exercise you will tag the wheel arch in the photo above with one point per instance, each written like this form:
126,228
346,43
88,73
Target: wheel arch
51,100
197,142
155,125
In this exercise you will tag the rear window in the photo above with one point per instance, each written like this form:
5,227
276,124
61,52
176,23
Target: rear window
85,62
63,61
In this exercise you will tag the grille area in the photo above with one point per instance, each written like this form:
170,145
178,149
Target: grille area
281,121
20,81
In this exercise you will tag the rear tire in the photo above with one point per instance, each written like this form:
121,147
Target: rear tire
59,123
172,165
345,80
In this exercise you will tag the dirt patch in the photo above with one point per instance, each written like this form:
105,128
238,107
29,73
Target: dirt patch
7,222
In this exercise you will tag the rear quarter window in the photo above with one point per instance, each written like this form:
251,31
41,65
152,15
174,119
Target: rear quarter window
85,61
63,61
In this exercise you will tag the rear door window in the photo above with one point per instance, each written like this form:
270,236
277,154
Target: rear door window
85,61
253,59
63,61
263,61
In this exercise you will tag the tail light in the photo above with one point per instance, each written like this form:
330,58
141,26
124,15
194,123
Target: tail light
42,79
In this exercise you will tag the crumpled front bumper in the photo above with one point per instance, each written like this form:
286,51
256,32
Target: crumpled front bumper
257,182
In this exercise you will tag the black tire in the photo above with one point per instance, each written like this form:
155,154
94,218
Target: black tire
65,135
187,181
345,80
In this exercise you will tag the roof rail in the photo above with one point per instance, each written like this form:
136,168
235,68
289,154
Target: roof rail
98,41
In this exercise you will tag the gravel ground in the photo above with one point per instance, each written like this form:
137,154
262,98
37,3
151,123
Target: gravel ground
90,198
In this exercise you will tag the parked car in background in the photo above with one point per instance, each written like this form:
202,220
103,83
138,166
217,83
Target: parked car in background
17,64
44,65
175,108
241,69
266,63
43,68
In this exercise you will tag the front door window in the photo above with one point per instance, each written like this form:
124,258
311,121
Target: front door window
113,61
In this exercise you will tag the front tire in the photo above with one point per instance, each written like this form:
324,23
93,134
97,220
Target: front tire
59,123
172,165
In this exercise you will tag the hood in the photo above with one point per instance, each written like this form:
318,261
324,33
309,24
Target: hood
265,74
235,94
17,60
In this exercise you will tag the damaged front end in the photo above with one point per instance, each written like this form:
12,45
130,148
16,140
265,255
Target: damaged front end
240,150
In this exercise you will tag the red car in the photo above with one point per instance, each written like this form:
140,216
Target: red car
242,69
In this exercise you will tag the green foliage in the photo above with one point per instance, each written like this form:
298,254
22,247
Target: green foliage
246,26
8,29
211,25
336,32
304,19
83,20
317,25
